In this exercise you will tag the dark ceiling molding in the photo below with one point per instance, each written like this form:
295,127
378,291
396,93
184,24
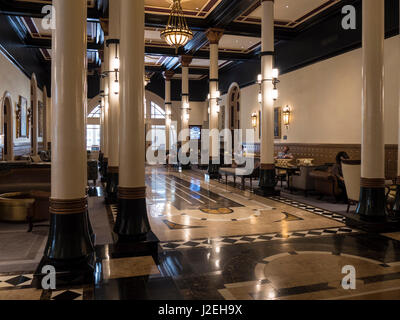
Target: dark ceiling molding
34,9
312,46
25,59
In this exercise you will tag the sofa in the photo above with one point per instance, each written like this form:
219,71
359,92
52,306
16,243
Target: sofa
303,180
325,182
24,177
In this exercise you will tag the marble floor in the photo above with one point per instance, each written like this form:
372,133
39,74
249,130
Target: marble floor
220,243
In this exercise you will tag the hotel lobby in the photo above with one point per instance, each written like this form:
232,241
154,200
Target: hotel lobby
199,150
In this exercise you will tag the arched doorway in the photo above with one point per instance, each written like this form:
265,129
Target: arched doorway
34,116
234,107
7,128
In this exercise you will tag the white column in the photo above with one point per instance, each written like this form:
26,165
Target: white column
396,207
114,99
69,244
132,222
113,142
214,35
372,198
267,122
267,173
185,105
168,107
106,105
45,118
35,113
68,82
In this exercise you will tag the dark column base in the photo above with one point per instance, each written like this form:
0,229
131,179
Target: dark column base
396,206
71,273
267,183
383,226
111,192
104,170
213,170
147,246
132,222
69,248
186,166
372,205
132,225
91,232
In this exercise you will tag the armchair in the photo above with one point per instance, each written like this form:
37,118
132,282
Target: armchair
352,177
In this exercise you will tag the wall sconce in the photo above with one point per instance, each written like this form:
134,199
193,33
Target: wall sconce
115,64
286,116
274,80
187,115
254,120
116,87
147,80
217,98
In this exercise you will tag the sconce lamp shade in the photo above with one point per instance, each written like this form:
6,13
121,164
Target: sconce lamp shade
286,116
254,120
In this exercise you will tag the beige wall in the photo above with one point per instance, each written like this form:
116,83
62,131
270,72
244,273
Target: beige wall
326,99
198,112
15,82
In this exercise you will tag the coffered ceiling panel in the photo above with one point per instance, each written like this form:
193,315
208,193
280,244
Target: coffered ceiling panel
205,63
191,8
288,13
230,43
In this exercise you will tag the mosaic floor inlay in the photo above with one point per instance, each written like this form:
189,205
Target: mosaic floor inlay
221,243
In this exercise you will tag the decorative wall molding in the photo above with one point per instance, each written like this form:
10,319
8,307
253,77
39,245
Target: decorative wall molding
326,153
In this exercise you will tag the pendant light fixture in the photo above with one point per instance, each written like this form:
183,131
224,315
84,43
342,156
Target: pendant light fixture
177,33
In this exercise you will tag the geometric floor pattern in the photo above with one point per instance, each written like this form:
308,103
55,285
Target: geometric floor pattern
318,211
14,281
232,240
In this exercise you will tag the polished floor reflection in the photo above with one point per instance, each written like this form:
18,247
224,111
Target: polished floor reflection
218,242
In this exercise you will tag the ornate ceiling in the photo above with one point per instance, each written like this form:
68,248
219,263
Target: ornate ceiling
240,19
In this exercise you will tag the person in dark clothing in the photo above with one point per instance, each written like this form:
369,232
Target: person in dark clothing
338,173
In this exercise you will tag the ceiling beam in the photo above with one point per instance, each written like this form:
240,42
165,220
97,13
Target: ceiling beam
41,43
34,9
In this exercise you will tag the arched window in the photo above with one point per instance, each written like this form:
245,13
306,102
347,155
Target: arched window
156,111
96,113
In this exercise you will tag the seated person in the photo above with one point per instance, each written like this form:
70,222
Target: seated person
338,173
285,154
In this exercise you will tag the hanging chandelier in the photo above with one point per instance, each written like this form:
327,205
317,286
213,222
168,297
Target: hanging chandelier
177,33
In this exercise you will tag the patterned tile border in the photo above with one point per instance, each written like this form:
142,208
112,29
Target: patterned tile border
15,281
235,240
321,212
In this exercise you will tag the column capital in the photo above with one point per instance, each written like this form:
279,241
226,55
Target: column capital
168,74
214,35
185,60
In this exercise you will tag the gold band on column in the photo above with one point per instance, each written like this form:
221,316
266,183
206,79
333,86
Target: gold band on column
372,183
131,193
267,166
66,207
113,169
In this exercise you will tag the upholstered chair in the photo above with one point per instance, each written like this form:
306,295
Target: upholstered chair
352,177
